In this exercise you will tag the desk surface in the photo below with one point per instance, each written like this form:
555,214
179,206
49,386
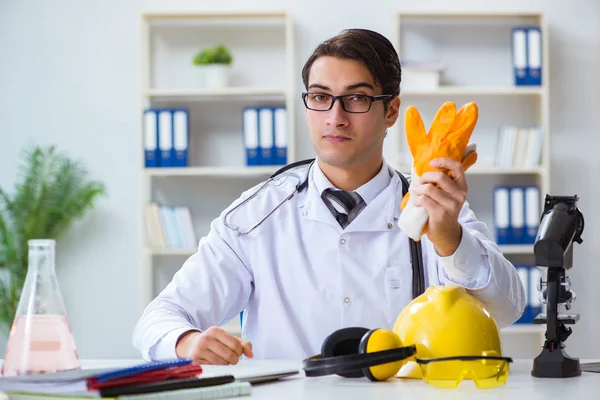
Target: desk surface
520,385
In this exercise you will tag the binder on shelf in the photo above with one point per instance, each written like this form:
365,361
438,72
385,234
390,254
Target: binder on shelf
280,124
250,133
501,214
151,156
266,135
180,137
534,303
532,213
165,138
519,56
534,56
517,215
523,272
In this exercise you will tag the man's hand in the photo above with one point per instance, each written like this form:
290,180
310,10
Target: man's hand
214,346
443,197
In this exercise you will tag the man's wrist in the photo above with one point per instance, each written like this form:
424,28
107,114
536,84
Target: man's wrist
182,341
448,247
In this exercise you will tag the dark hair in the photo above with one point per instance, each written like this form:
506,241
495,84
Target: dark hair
370,48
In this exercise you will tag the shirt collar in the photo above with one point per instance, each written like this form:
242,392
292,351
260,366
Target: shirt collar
368,191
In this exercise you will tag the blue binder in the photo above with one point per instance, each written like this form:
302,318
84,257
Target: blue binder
517,215
534,56
519,56
250,134
281,135
165,138
180,130
266,135
532,213
523,272
151,156
535,304
501,214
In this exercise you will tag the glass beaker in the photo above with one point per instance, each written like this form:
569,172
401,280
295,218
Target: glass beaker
40,339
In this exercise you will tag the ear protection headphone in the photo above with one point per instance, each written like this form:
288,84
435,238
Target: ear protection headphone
355,352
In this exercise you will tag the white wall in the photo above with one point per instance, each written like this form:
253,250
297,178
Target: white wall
69,76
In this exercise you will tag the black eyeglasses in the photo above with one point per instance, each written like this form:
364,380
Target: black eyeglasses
352,103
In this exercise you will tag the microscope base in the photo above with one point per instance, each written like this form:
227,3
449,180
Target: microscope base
555,364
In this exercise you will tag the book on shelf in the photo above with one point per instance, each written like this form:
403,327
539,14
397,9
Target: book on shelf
169,226
518,147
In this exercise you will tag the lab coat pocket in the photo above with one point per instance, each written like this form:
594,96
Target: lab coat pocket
398,289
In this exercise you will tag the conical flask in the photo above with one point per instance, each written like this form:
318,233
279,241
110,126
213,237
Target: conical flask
40,339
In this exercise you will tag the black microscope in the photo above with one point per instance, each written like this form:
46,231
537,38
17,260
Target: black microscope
561,224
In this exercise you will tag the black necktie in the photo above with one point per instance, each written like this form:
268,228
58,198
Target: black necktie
350,202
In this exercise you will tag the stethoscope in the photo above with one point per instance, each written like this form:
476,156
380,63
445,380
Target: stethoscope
416,254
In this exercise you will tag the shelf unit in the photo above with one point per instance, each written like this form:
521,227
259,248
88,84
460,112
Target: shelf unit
257,172
475,48
262,46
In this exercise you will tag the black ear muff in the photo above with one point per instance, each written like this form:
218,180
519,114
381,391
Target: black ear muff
356,352
344,342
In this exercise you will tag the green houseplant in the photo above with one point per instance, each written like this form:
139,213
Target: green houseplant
215,66
51,192
213,55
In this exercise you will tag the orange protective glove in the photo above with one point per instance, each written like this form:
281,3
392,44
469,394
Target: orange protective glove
448,137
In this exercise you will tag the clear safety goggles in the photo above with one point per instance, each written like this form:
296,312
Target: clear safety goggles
447,372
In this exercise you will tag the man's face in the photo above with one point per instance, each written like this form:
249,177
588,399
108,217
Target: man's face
341,138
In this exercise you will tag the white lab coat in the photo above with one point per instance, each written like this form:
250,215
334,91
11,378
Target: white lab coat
299,276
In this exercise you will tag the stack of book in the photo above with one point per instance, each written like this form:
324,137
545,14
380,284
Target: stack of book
169,227
519,147
170,379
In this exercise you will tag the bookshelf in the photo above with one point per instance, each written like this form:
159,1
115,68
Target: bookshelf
475,49
262,46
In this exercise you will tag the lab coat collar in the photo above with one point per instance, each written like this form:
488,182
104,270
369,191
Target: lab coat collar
379,215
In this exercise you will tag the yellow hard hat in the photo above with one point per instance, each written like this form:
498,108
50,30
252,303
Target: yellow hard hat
446,321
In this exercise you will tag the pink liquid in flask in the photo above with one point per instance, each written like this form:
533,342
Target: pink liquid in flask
40,339
44,344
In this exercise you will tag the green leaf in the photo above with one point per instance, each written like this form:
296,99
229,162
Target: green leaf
213,55
51,192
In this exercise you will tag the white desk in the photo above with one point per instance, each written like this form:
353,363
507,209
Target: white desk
520,385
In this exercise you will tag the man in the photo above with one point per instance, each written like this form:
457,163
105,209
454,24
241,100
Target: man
328,259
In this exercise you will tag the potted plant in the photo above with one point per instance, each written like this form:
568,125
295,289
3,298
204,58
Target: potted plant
51,192
215,64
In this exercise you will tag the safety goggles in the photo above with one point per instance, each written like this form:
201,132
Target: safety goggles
447,372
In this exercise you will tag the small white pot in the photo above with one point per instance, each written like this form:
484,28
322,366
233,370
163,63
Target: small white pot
214,76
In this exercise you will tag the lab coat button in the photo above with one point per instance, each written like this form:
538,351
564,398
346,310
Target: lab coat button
304,213
347,300
342,241
390,226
